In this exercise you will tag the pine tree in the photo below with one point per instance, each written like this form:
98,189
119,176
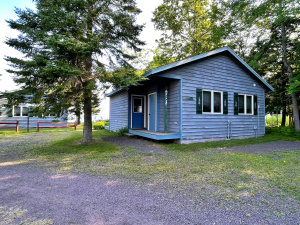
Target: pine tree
279,20
70,47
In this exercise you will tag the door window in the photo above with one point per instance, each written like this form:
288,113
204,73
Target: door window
137,105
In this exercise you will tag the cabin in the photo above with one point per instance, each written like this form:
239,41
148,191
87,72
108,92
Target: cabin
21,113
208,97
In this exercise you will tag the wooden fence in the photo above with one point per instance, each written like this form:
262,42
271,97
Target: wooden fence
13,127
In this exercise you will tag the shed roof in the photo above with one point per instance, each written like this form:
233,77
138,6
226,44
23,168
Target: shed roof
198,57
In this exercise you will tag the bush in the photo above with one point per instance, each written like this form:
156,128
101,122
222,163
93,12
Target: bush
283,131
106,122
122,131
99,125
55,121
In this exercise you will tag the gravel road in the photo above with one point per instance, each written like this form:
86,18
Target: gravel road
84,199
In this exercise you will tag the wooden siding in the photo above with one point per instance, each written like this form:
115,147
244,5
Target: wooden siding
173,116
222,73
161,90
173,121
118,115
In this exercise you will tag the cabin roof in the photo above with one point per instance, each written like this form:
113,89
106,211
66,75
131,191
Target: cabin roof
198,57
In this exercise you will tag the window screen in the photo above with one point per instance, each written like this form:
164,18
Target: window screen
17,111
206,101
217,102
249,104
241,104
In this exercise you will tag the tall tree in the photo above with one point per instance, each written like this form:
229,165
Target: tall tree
70,46
189,27
280,20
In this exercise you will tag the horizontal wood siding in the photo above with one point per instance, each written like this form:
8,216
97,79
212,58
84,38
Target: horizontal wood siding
222,73
118,115
173,114
173,120
161,90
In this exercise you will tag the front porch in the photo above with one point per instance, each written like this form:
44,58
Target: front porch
155,135
154,108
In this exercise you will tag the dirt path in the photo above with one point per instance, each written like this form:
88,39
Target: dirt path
265,148
140,145
32,195
82,199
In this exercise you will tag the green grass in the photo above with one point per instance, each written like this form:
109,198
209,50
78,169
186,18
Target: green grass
34,130
70,153
227,143
224,175
18,215
272,120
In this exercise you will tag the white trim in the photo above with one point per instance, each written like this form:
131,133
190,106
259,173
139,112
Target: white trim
245,104
153,93
212,102
144,96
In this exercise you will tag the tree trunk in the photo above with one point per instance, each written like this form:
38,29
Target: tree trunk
77,118
283,104
77,114
283,120
290,75
87,109
87,102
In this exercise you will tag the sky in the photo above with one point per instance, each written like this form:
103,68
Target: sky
149,35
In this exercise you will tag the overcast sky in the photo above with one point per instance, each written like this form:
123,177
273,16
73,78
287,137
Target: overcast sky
149,35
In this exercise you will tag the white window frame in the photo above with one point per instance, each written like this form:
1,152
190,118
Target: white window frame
245,104
212,101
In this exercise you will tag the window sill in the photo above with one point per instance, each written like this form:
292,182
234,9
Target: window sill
208,113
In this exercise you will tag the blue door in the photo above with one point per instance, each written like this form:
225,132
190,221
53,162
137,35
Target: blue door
138,112
152,111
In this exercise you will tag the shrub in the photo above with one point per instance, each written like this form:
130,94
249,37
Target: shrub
99,125
55,121
122,131
106,122
283,131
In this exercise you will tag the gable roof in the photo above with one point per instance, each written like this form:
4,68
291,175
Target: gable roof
198,57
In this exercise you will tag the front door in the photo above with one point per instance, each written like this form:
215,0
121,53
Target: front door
152,112
138,112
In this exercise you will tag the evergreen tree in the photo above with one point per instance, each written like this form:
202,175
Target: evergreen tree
70,46
280,21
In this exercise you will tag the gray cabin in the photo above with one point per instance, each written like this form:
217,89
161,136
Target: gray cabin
212,96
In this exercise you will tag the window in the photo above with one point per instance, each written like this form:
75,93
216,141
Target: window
17,111
137,105
241,104
206,101
212,101
217,102
245,104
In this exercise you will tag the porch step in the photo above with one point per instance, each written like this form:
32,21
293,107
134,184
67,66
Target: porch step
129,135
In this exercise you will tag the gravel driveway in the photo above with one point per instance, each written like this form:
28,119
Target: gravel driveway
50,198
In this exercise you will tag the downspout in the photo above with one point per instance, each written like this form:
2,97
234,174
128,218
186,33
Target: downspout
228,130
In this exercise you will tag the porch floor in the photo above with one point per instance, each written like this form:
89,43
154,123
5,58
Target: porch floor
155,135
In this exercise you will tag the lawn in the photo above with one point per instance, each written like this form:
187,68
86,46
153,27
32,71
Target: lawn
224,175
